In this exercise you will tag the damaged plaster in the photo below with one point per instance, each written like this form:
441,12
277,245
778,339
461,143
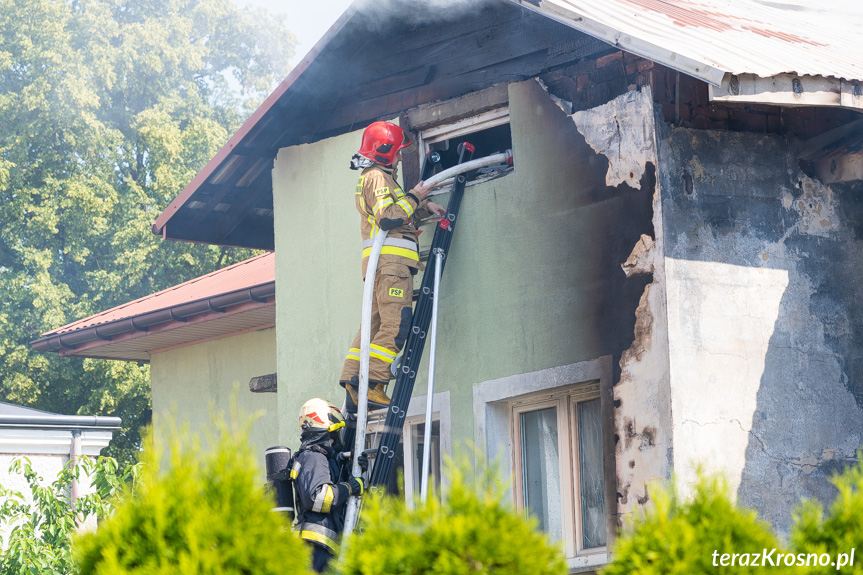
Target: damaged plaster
764,319
621,136
621,130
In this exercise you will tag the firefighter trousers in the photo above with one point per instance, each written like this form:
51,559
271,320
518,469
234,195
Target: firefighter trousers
391,321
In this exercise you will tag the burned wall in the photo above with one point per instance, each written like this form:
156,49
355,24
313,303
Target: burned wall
764,316
622,131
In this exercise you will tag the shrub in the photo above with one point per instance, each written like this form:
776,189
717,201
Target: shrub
680,537
206,512
39,528
472,532
841,530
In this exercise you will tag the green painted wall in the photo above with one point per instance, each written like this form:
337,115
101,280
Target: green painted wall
189,382
526,286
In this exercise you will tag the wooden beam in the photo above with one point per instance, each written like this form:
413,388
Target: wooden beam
840,167
789,90
823,144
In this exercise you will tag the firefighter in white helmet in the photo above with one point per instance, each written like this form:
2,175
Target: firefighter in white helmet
383,204
321,482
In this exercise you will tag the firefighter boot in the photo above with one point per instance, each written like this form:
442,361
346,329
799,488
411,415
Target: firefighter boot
377,397
377,393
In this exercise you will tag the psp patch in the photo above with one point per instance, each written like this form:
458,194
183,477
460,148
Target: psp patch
396,292
382,192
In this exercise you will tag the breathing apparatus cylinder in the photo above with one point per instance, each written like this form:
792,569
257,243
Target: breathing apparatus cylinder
278,463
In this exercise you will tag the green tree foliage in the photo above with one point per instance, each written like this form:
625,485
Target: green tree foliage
38,527
474,531
107,109
206,512
679,536
841,530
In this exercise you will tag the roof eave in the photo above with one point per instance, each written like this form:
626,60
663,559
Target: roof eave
627,42
104,333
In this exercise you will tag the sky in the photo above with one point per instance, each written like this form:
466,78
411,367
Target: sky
307,19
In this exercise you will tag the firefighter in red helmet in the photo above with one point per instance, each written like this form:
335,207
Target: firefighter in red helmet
381,202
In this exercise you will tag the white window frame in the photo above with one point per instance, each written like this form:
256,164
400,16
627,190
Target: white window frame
482,121
416,414
498,402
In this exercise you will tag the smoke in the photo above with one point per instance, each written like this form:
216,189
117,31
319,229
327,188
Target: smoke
380,14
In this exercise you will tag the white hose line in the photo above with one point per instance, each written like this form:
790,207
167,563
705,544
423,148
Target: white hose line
424,482
352,512
452,172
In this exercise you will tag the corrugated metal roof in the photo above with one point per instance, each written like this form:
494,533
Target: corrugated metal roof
729,36
246,274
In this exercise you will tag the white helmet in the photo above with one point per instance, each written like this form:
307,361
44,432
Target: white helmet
317,413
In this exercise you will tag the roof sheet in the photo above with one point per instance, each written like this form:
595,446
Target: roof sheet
758,37
246,274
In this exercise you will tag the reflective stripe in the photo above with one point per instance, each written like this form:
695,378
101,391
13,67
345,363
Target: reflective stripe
323,500
295,470
405,205
383,204
396,242
393,251
328,498
399,193
383,358
319,534
353,354
384,351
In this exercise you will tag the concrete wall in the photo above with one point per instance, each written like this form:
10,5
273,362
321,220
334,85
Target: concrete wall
191,382
764,317
533,280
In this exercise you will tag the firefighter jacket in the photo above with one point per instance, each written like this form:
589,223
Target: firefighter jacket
320,498
381,201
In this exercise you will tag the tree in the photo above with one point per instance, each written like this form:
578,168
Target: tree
107,109
38,528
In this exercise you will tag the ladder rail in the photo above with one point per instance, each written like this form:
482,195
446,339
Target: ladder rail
363,395
414,346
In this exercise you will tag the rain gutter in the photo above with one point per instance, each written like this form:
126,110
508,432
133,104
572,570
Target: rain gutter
142,322
60,421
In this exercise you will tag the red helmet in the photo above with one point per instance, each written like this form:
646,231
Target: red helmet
382,141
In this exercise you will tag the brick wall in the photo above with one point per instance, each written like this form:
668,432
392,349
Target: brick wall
591,82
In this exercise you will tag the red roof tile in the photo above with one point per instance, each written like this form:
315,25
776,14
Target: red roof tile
246,274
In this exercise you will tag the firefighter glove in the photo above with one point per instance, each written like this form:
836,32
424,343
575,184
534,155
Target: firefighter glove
363,461
357,486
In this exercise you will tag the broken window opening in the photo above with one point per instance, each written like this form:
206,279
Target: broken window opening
489,132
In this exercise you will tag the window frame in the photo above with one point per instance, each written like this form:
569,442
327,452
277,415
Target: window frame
447,131
565,402
416,414
494,404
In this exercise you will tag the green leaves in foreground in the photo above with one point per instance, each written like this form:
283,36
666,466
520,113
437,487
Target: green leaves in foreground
708,533
679,535
841,530
205,512
474,531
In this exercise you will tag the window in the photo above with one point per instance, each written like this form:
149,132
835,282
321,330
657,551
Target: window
407,468
488,131
558,466
550,425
